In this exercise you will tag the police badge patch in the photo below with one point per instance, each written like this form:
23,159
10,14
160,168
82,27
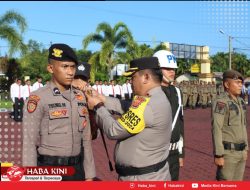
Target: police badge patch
31,106
220,108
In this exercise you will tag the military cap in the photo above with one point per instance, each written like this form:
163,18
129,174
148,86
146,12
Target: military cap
141,64
62,52
83,70
232,74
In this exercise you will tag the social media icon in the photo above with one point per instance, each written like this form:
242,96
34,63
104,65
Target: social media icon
195,185
132,185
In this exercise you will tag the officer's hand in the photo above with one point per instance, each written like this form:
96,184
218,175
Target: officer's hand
181,162
79,84
92,100
219,161
93,92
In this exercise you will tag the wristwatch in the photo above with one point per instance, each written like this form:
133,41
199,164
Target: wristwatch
97,106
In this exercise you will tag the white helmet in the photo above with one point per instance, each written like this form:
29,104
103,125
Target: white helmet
166,59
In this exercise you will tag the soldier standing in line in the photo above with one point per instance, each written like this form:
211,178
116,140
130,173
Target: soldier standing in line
221,89
194,95
199,94
185,94
204,95
229,129
213,91
57,121
190,90
168,66
209,94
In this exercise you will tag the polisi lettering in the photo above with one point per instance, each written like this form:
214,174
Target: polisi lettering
171,57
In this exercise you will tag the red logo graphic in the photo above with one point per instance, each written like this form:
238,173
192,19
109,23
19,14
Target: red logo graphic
138,101
15,173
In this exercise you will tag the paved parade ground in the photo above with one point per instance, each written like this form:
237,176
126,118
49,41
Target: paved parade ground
198,163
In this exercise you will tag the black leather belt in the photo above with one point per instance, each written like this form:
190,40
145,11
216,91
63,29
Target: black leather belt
58,160
234,146
130,171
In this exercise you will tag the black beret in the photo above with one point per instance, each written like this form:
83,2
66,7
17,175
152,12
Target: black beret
141,64
232,74
62,52
83,70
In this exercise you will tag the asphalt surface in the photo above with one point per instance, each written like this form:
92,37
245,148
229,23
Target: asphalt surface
198,162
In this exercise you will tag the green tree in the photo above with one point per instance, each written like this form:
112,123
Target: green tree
240,63
35,61
111,40
13,71
10,33
134,51
83,55
219,62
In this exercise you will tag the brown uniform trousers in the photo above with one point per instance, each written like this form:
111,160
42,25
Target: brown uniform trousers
230,136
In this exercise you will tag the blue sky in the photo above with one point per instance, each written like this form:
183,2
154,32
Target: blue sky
192,22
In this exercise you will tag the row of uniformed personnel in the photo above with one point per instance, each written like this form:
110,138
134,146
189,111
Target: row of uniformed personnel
199,93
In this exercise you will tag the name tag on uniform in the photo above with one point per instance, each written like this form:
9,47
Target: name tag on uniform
58,113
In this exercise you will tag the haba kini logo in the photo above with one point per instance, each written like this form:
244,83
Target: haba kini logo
15,173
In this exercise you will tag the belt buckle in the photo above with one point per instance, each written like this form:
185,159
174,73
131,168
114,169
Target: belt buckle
62,161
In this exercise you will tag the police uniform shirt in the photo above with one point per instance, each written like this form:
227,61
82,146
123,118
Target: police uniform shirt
37,85
228,122
143,132
56,123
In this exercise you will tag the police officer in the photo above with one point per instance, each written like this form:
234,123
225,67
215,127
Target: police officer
56,120
143,132
229,129
168,65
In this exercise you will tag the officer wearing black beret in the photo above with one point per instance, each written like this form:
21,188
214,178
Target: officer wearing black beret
57,120
229,129
143,132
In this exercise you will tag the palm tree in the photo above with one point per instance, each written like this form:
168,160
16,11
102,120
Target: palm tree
111,39
10,33
134,51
